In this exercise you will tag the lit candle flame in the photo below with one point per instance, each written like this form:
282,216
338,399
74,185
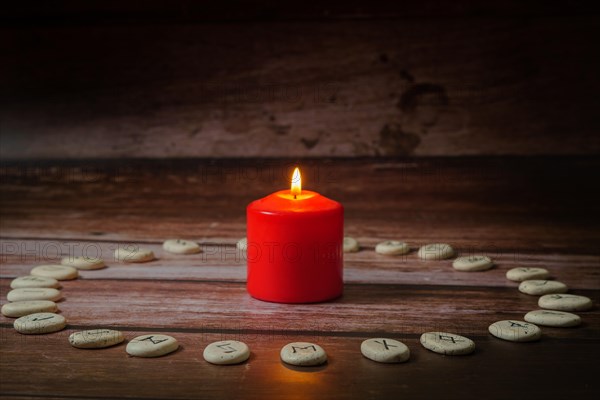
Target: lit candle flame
296,183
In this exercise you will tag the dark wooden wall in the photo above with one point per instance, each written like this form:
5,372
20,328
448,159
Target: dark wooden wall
222,79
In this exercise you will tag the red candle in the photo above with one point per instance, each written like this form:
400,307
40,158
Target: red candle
294,248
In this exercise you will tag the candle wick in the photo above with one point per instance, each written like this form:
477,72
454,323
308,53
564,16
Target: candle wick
294,197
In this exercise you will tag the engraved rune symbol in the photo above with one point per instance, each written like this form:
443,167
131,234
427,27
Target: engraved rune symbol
154,341
303,348
518,325
41,319
556,296
385,344
449,339
227,348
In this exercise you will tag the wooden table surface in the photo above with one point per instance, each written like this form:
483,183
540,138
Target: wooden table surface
520,211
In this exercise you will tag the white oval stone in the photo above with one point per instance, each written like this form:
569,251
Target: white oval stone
392,248
447,343
58,272
303,354
436,251
25,294
226,352
83,262
565,302
31,281
350,245
96,338
538,287
153,345
521,274
472,263
133,254
22,308
385,350
38,323
181,246
553,318
515,331
242,244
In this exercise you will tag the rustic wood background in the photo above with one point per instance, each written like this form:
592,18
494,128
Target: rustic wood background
259,78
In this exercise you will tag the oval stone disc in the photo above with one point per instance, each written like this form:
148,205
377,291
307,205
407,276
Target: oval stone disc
31,281
22,308
446,343
553,318
565,302
515,331
96,338
38,323
436,251
303,354
58,272
385,350
226,352
153,345
521,274
392,248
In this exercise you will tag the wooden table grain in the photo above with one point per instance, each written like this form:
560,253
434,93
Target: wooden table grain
521,211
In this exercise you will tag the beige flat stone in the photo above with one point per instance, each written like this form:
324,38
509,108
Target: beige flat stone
87,263
472,263
565,302
58,272
181,246
39,323
242,244
153,345
392,248
559,319
350,245
436,251
22,308
515,331
538,287
25,294
385,350
521,274
96,338
134,254
226,352
303,354
31,281
449,344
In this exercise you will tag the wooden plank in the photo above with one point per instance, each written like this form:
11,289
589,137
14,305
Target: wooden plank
364,87
472,203
221,306
223,262
62,371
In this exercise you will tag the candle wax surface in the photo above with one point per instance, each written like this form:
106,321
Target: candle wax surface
294,251
283,202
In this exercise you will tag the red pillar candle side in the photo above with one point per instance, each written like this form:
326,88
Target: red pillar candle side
294,249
